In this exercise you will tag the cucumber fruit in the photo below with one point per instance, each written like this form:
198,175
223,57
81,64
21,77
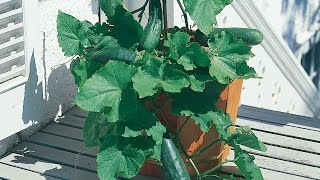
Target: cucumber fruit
152,32
115,53
173,166
250,36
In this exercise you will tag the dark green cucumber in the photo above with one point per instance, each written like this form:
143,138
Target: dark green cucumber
115,53
173,166
152,32
249,36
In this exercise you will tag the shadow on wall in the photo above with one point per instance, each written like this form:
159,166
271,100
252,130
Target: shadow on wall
292,8
43,100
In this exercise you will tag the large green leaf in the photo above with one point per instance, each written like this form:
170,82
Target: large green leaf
136,119
196,55
82,70
245,163
176,42
125,28
228,58
109,6
244,136
189,55
203,12
155,74
105,87
71,34
200,102
95,127
117,159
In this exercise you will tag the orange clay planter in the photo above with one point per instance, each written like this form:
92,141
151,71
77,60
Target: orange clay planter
193,139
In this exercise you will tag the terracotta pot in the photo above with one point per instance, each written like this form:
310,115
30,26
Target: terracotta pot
194,139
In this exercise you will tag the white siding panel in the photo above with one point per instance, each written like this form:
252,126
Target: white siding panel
12,56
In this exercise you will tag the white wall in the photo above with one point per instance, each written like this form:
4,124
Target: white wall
295,20
50,89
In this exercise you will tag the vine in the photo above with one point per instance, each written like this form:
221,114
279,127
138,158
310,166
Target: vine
122,70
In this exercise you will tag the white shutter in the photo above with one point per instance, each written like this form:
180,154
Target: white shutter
12,54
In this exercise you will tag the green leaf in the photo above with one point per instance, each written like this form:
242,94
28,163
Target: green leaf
245,163
134,116
105,87
221,121
188,55
71,34
142,58
198,82
156,132
176,42
144,143
102,29
228,58
200,102
82,70
125,28
109,6
203,12
157,74
117,159
94,128
244,136
195,55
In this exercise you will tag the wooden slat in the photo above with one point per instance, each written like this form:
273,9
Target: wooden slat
289,155
70,120
231,168
285,167
56,156
64,131
280,129
77,112
10,172
288,142
279,118
46,168
62,143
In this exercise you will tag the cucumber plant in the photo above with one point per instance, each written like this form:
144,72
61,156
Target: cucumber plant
119,67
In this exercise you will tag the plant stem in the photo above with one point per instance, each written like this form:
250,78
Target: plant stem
194,167
188,157
142,8
185,16
165,18
216,168
205,148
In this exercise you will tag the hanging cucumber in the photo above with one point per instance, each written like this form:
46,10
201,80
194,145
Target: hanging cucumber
115,53
250,36
173,166
152,32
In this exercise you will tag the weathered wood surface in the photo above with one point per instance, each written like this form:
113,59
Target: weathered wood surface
58,152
